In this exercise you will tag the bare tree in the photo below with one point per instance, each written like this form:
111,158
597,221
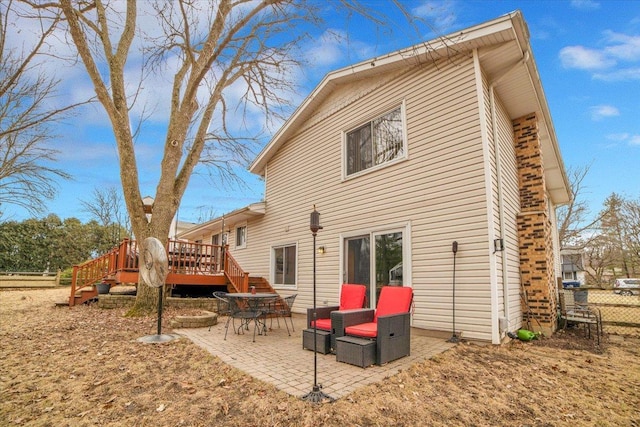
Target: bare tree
27,174
107,207
575,229
222,60
631,221
618,225
599,258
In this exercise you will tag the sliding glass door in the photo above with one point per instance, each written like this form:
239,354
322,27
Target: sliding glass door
358,261
382,261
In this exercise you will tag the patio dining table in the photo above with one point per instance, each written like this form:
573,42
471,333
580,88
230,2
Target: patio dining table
251,307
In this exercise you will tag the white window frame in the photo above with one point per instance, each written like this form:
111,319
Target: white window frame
407,267
243,244
345,151
273,266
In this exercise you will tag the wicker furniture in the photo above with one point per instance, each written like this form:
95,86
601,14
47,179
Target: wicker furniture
322,340
356,351
388,327
351,297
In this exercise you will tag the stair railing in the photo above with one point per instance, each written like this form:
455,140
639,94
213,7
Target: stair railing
92,271
238,277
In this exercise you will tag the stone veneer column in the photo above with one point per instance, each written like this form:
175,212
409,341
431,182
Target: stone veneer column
534,229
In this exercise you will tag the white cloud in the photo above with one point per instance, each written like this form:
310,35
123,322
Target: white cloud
626,74
610,63
618,136
625,137
585,4
327,50
584,58
439,15
599,112
626,48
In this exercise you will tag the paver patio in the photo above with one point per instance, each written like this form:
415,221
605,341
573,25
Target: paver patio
280,360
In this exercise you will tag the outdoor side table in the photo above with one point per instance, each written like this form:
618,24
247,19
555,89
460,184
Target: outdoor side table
323,339
356,351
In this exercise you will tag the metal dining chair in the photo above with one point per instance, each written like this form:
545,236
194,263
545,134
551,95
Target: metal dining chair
246,315
282,308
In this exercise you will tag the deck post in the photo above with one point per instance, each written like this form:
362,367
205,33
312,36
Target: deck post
74,279
245,282
122,254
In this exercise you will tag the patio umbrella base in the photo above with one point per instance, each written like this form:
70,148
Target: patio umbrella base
316,396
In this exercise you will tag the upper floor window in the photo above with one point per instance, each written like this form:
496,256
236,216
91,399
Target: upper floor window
241,236
377,142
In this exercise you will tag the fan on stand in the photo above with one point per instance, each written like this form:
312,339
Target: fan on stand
154,271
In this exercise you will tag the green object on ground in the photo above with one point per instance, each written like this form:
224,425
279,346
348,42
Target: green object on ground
525,335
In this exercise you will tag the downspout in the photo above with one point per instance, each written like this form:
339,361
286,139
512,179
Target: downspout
504,327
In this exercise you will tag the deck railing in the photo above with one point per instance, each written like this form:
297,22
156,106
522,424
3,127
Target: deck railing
188,258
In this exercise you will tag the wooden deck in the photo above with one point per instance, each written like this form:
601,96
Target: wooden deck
189,264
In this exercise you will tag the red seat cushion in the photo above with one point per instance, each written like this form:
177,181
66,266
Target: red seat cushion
393,300
352,296
324,324
369,330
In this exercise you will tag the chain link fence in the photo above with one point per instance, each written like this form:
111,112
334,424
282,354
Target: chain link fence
620,313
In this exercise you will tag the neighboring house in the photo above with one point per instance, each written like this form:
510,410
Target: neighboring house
403,154
572,265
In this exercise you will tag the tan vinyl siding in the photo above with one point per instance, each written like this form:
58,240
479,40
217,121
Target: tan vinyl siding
438,192
511,202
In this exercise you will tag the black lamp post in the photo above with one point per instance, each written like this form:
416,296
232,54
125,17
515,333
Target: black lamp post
315,395
454,338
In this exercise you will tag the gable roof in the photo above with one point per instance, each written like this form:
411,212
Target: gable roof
505,55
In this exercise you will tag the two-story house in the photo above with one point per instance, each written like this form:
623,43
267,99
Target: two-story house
447,141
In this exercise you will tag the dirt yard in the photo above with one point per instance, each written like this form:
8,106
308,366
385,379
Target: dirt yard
84,367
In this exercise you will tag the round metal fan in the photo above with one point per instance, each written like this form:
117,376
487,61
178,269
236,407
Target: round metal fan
153,271
156,265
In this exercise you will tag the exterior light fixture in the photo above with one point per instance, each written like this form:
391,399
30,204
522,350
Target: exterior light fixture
498,245
321,250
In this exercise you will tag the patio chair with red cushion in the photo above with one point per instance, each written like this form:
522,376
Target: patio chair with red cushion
352,296
384,332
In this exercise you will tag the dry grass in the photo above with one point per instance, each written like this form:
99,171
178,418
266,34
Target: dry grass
84,367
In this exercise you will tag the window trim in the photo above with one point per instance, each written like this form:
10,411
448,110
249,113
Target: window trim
246,235
272,266
405,149
405,227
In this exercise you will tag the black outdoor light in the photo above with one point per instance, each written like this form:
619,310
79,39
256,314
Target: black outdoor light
315,395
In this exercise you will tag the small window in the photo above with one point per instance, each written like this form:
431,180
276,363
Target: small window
241,236
284,265
375,143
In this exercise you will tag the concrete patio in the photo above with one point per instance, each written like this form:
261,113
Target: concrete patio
280,360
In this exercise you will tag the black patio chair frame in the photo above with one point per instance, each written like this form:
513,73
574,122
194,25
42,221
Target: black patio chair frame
238,309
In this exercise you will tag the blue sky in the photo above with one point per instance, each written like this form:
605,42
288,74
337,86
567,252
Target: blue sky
588,56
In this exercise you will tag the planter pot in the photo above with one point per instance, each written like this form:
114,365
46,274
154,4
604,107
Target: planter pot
103,288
